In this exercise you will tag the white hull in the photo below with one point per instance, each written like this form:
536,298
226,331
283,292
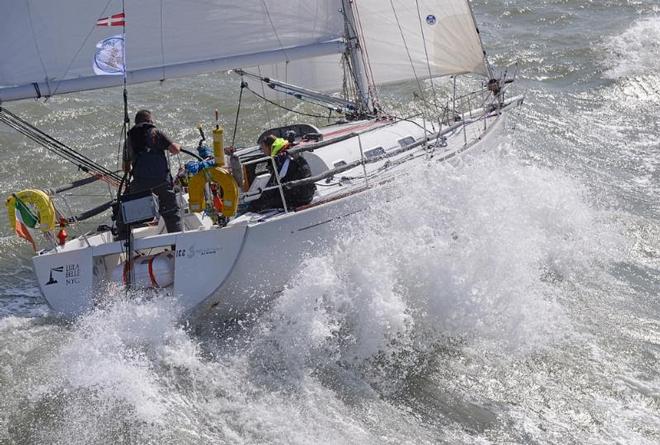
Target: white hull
234,270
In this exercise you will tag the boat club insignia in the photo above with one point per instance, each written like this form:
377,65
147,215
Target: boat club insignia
51,279
71,274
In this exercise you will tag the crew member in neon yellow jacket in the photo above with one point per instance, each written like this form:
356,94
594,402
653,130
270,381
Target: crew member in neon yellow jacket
290,168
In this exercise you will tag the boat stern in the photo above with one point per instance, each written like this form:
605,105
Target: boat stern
66,279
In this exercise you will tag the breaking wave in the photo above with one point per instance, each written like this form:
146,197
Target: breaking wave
479,253
636,51
475,258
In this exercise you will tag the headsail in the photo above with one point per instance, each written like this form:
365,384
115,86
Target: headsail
405,39
49,46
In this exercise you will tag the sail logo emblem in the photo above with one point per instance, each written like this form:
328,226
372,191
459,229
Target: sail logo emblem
109,56
431,20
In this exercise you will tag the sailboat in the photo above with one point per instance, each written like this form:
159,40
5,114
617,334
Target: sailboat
337,54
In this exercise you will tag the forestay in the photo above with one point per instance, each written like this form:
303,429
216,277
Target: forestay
49,46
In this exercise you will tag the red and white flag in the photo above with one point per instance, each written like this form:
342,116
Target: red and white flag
113,20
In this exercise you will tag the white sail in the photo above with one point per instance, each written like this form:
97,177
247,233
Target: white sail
406,39
48,46
323,73
397,50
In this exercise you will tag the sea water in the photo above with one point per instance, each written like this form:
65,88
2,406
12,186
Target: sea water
513,298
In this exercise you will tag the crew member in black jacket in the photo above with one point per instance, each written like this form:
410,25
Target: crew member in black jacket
145,158
290,168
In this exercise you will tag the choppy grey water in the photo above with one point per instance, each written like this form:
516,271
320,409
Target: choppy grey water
519,304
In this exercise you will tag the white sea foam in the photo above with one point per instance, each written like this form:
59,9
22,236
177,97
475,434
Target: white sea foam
112,352
636,51
479,254
495,259
104,377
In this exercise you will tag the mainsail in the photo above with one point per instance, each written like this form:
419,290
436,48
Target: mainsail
49,46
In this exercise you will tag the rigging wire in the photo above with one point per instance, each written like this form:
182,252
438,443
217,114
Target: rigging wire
412,65
350,89
162,41
487,64
75,56
279,41
36,46
405,44
349,93
238,111
286,108
272,25
128,245
426,54
127,119
359,32
120,146
263,92
58,148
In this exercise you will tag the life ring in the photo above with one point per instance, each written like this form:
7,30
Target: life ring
222,178
38,200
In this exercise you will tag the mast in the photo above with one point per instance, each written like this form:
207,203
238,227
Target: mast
356,57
